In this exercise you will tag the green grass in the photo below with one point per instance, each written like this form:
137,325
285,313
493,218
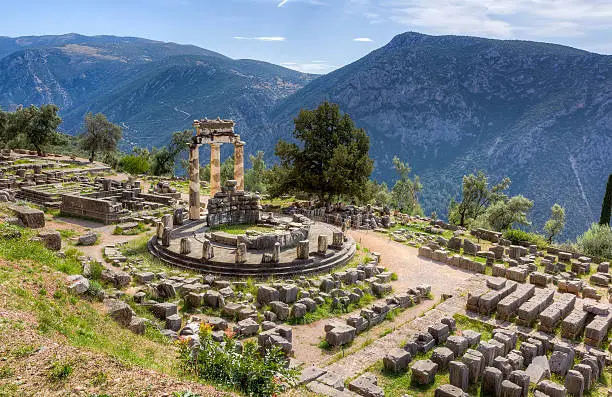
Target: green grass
6,372
21,249
241,229
78,322
464,322
140,228
67,233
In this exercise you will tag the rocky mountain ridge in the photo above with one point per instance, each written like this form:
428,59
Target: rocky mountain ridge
538,113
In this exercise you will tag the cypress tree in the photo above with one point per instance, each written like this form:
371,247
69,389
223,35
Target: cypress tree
606,206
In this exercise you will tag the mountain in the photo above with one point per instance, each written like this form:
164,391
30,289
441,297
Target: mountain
538,113
449,105
150,88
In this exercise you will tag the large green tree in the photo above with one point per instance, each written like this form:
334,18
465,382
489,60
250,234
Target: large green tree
503,214
404,193
4,118
164,159
606,205
556,223
99,135
38,125
254,176
476,198
331,160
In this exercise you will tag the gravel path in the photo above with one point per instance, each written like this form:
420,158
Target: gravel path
412,271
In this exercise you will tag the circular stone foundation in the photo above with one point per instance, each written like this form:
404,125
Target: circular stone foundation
223,262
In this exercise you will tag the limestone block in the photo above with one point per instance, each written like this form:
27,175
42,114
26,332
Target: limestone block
521,379
439,332
51,239
459,375
538,369
340,334
396,360
119,311
423,372
442,356
491,382
457,344
366,385
447,390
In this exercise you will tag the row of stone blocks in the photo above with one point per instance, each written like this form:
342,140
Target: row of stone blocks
530,304
454,260
337,333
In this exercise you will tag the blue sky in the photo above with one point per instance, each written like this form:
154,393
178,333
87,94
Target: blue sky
314,36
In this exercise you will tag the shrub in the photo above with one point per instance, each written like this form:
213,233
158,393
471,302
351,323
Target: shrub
60,371
134,165
597,241
96,270
516,236
247,371
94,288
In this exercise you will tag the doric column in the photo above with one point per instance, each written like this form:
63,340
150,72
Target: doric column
239,164
194,182
215,168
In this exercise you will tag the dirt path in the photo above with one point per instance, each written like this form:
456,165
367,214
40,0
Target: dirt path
412,271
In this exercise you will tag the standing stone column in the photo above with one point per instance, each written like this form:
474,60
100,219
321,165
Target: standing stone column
185,246
276,252
322,244
303,249
215,168
239,165
194,182
241,251
207,251
160,229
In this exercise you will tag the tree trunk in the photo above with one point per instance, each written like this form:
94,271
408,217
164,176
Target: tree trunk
91,157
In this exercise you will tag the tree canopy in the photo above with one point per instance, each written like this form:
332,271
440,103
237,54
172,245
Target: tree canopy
99,135
555,224
38,125
254,176
404,194
476,198
331,160
163,160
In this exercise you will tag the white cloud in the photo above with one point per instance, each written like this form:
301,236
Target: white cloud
315,67
492,18
261,38
363,39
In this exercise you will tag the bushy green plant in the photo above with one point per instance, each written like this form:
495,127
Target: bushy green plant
60,371
247,371
597,241
186,393
94,288
517,236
